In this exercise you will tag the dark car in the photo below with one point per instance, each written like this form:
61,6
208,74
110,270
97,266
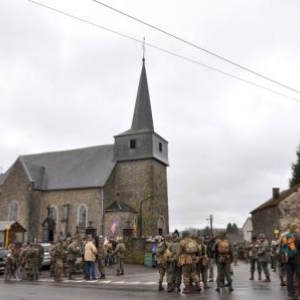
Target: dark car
3,255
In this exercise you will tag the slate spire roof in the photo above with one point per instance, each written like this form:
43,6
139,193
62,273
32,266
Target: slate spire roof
142,120
142,117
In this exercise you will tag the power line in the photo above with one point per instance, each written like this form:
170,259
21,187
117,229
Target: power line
198,47
166,51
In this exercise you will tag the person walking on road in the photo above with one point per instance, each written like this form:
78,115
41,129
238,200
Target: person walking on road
254,263
264,256
224,258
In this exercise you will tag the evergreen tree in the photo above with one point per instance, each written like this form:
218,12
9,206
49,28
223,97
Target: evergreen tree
229,228
296,170
235,229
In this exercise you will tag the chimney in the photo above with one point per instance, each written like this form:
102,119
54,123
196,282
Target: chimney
276,193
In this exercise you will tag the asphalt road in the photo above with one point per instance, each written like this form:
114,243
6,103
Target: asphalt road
138,283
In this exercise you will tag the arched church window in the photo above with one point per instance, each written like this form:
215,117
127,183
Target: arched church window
13,211
161,228
82,216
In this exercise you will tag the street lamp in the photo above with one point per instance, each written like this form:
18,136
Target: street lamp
140,217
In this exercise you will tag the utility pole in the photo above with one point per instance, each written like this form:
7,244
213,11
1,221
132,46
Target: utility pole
211,224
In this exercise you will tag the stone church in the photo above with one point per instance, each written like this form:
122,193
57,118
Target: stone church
107,188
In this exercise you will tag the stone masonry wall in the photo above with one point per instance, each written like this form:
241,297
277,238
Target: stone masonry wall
89,197
265,221
132,182
18,188
289,211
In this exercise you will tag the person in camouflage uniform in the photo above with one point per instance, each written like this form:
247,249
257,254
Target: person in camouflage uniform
32,262
280,263
66,244
58,253
119,252
254,263
187,260
160,260
224,258
174,271
264,256
202,263
102,254
14,253
73,252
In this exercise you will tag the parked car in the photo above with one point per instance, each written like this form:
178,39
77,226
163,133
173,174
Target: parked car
47,259
3,255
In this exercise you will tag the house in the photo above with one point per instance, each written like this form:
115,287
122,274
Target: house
102,188
276,214
247,230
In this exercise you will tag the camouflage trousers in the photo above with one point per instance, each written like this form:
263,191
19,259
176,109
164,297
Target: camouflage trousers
32,268
211,269
162,269
101,266
265,268
202,272
120,265
58,269
223,270
189,274
255,264
174,273
71,267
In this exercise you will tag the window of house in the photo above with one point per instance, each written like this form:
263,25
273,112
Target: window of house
13,211
82,216
132,144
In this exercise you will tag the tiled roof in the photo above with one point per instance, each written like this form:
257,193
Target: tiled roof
275,201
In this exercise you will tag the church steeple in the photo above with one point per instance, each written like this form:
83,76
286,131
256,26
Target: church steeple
140,141
142,117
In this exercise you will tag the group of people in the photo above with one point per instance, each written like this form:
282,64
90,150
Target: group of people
283,255
67,256
189,259
29,256
91,253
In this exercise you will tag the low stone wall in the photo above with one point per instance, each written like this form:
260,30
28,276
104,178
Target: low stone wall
136,250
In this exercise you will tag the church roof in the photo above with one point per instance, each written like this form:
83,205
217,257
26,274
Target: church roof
142,117
118,206
79,168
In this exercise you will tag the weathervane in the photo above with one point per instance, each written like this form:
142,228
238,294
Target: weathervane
144,49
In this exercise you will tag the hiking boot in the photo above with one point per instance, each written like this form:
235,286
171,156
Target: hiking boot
170,289
218,289
267,279
230,288
206,286
259,276
160,287
252,277
186,290
178,289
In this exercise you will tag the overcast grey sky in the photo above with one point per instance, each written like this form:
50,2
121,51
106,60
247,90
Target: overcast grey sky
67,84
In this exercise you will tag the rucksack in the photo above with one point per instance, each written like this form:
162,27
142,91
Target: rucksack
223,246
161,248
191,247
288,247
